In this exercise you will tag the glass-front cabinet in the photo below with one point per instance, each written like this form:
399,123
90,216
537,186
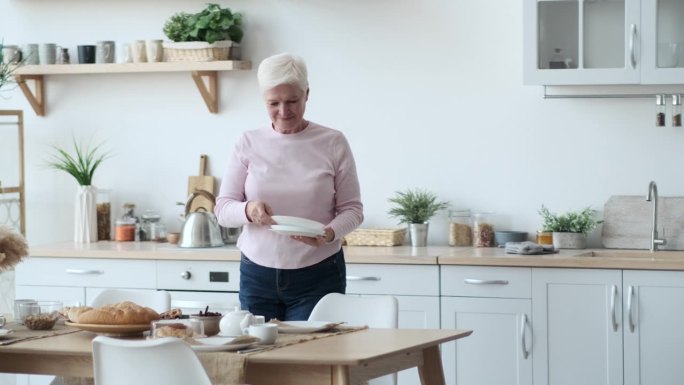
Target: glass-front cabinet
588,42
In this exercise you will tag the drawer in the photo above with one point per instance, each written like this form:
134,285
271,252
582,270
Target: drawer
393,279
479,281
198,275
86,272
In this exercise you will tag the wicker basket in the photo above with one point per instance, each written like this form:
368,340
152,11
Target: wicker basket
194,51
376,237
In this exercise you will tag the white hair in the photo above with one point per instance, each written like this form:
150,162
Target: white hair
283,68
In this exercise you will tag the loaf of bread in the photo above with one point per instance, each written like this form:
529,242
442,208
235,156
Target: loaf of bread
75,311
123,313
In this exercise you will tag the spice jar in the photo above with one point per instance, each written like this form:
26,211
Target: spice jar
676,110
460,230
483,229
104,215
660,110
125,230
544,237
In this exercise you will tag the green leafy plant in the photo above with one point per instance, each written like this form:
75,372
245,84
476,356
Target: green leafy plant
81,165
212,24
570,222
415,206
7,70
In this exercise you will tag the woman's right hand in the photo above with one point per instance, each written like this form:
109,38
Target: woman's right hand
259,213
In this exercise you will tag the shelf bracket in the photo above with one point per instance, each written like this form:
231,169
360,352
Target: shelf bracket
37,98
208,90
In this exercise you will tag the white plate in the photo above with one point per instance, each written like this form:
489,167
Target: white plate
305,326
297,221
303,233
297,228
219,344
4,332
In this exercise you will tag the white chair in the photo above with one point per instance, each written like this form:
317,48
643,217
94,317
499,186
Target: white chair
158,300
168,361
380,311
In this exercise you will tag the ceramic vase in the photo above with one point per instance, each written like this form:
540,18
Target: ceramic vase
418,233
85,215
569,240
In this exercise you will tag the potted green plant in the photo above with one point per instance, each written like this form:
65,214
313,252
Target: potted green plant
212,34
81,165
569,229
415,208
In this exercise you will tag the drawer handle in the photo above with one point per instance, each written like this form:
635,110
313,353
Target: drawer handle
357,278
84,272
471,281
523,342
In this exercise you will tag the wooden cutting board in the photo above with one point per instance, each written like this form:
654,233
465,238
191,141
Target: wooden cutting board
202,182
628,219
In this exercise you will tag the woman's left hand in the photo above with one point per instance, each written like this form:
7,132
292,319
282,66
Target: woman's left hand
317,241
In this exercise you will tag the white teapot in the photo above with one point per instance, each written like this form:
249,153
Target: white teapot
236,322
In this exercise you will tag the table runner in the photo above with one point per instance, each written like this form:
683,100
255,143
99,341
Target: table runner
22,333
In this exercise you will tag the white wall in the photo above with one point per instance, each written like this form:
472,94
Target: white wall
429,93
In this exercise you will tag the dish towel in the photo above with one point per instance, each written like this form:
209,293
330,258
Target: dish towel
527,248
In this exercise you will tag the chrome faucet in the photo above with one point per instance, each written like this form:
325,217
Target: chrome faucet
653,196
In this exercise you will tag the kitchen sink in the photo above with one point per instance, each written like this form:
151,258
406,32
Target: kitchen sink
633,254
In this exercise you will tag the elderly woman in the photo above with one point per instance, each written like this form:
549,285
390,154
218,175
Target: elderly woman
292,167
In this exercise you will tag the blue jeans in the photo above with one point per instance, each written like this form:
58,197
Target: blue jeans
289,294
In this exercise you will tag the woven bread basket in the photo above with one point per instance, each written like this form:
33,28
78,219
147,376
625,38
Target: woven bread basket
376,237
194,51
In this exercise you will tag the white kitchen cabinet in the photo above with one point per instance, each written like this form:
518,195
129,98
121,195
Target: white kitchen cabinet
603,42
653,333
577,322
416,288
495,303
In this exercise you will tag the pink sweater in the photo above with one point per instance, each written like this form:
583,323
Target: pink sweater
309,174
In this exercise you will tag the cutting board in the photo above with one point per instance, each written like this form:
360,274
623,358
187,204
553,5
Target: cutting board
202,182
628,219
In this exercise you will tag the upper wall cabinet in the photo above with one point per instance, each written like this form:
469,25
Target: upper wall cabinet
590,42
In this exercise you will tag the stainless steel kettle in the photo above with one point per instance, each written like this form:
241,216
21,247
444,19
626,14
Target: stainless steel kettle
201,228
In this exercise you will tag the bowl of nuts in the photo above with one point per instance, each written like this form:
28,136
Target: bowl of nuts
40,315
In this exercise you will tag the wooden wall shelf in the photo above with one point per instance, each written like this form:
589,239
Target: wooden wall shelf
203,73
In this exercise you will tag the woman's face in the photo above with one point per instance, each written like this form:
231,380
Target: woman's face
285,105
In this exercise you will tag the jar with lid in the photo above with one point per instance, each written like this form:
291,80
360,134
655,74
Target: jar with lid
460,230
104,215
149,220
483,229
544,237
125,230
660,111
676,110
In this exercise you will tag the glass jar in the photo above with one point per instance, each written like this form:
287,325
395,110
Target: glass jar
557,60
104,215
148,221
544,237
676,110
483,229
660,111
125,230
156,232
460,230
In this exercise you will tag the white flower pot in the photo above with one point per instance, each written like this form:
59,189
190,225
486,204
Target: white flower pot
85,215
569,240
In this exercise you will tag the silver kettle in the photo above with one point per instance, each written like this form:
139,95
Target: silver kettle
201,228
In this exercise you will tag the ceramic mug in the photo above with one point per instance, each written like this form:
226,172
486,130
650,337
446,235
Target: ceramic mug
47,53
3,321
138,51
86,54
154,50
11,54
267,333
104,52
31,54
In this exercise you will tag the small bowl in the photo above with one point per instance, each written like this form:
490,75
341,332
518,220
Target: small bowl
211,323
172,237
40,315
501,237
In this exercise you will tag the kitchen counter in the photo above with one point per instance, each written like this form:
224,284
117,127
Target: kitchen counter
401,255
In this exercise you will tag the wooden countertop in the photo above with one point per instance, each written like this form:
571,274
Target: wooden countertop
401,255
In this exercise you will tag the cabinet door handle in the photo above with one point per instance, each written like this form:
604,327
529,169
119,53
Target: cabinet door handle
630,316
613,312
84,272
471,281
357,278
523,330
632,48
